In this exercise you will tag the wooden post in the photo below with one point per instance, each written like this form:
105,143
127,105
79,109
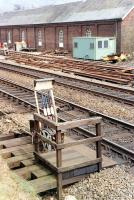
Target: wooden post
59,164
36,139
54,106
37,103
98,145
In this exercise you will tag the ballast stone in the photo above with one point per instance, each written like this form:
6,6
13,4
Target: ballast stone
70,197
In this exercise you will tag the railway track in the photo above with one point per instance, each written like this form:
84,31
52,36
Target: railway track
118,93
90,69
118,135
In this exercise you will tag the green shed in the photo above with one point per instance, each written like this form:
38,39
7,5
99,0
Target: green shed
94,48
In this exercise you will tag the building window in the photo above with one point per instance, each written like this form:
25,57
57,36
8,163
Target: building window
23,36
88,33
106,44
99,44
39,38
61,38
9,37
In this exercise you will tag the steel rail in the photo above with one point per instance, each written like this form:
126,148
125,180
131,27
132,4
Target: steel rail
128,94
89,69
113,146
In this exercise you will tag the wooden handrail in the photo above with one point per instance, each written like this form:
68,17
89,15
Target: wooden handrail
78,123
67,125
70,144
79,142
58,167
45,120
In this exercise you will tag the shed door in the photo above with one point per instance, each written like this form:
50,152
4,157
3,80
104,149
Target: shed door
111,44
91,50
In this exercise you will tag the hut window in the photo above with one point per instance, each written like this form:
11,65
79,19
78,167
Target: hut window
23,36
106,44
75,45
92,45
61,38
9,37
99,44
39,38
88,33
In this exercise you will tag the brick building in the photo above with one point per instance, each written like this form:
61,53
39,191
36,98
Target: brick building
54,26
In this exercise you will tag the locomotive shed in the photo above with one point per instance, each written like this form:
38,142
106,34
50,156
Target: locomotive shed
41,28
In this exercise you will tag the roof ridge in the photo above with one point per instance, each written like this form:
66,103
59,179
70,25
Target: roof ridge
70,12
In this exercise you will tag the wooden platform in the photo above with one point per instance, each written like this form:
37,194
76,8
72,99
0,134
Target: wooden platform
18,153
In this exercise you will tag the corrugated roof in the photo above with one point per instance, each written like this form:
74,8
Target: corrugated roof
89,10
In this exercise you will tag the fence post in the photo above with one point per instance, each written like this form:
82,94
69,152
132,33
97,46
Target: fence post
98,145
36,139
59,164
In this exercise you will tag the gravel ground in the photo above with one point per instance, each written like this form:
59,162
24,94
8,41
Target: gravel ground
14,122
100,104
7,125
17,78
15,119
128,63
7,107
109,184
